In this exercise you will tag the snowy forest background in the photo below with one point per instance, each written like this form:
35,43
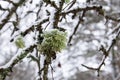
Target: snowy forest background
92,26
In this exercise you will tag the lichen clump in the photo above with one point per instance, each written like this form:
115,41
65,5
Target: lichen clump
53,41
19,42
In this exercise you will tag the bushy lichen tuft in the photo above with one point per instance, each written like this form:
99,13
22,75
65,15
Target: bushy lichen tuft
19,42
53,41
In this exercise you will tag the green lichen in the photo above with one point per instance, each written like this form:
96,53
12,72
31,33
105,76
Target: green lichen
53,41
19,42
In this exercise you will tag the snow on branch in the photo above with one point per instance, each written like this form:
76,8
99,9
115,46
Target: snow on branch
105,51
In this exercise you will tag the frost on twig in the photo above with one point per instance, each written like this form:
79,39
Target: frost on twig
106,52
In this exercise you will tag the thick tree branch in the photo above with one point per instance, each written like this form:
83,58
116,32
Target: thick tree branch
5,70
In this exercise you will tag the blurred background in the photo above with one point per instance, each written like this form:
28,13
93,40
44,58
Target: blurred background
84,48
